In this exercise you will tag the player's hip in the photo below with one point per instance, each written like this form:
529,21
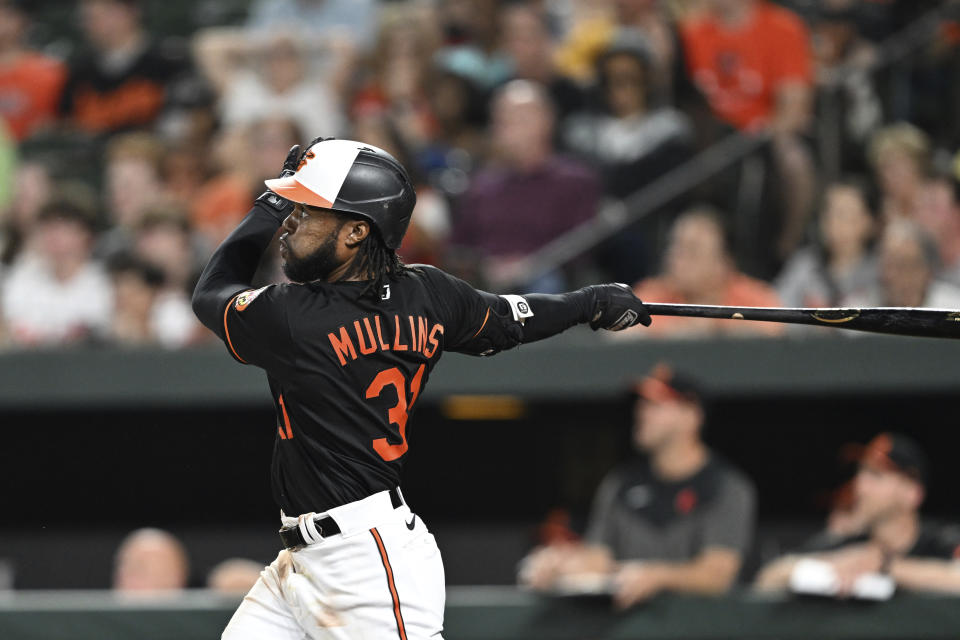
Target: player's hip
381,569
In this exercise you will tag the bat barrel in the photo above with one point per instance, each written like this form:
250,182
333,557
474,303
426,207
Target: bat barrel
933,323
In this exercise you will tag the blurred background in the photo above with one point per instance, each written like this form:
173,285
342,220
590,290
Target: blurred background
797,153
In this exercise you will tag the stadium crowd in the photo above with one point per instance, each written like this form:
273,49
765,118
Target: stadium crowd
127,152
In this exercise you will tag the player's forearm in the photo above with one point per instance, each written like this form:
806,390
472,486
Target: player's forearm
553,314
776,575
695,577
233,264
926,574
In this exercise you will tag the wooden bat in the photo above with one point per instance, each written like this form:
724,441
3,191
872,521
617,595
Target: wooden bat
904,321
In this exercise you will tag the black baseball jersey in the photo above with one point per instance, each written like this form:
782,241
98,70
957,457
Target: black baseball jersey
346,371
347,367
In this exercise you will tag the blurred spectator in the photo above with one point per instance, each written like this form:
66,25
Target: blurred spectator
273,76
473,33
680,518
888,537
909,261
634,140
938,212
234,576
597,26
32,190
317,20
458,143
840,263
243,158
900,157
698,269
844,55
529,45
57,294
429,230
120,82
30,83
164,241
392,80
136,285
133,185
530,197
150,560
752,61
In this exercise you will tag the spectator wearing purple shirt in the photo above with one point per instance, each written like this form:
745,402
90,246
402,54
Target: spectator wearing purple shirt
527,196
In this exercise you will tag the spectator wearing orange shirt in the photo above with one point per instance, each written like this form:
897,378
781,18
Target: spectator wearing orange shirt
698,269
753,62
30,83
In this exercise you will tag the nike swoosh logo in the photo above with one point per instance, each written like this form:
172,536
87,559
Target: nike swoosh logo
412,523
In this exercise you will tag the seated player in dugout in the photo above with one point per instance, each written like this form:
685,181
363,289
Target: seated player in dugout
676,518
348,348
882,531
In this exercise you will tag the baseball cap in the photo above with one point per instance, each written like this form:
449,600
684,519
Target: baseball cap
664,384
895,452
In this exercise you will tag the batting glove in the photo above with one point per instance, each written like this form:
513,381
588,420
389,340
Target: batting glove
614,307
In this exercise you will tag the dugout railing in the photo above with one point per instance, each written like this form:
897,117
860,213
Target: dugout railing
505,613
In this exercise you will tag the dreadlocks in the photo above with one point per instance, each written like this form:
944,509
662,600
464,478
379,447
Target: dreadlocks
379,262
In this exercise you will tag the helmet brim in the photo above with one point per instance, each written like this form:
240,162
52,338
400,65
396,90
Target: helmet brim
293,191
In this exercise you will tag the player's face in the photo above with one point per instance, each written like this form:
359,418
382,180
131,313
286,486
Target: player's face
310,245
881,494
656,423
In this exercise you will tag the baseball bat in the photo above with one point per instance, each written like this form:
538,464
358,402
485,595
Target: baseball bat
904,321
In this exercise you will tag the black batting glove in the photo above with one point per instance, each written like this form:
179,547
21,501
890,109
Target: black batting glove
292,162
614,307
278,206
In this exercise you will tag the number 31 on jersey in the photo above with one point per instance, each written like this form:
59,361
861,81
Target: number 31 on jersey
397,414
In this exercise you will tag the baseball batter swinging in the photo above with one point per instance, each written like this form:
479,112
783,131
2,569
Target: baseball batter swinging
348,348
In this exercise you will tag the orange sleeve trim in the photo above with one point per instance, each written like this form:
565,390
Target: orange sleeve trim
226,330
485,318
401,629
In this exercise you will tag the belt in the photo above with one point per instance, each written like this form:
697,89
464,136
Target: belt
326,526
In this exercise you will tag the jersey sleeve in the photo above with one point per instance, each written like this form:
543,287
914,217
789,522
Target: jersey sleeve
729,523
600,527
255,328
469,315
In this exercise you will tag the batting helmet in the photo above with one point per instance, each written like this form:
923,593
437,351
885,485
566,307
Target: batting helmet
354,178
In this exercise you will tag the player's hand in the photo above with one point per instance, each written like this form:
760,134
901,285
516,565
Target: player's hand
853,562
541,568
616,308
277,205
636,582
292,162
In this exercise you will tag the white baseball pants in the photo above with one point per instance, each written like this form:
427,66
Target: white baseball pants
377,579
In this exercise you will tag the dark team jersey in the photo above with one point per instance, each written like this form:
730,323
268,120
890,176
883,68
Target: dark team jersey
934,540
346,371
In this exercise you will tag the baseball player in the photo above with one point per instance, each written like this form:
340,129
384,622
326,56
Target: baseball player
348,348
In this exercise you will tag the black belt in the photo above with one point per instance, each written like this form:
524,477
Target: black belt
326,526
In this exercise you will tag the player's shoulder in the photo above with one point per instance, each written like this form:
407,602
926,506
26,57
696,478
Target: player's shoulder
724,474
431,276
268,296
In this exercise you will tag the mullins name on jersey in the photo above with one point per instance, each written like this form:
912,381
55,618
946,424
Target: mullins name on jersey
386,333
